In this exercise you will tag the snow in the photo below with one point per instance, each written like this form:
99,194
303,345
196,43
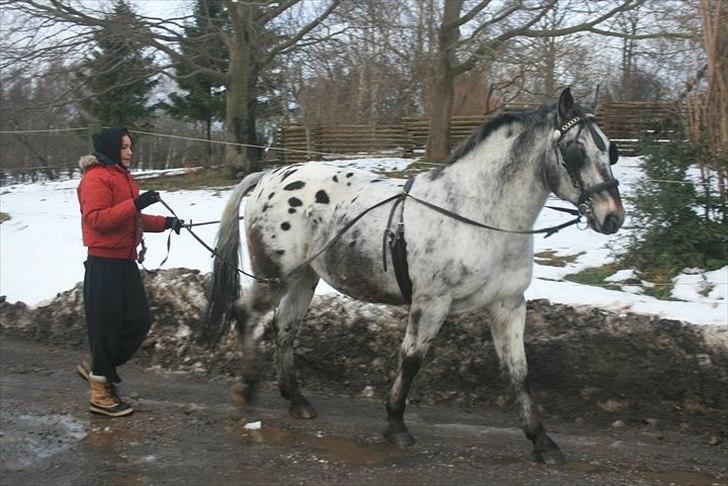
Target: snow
253,425
41,252
692,286
622,275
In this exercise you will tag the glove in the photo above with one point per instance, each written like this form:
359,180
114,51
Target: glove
173,223
146,199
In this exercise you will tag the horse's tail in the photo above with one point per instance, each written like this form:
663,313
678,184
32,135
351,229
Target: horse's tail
225,281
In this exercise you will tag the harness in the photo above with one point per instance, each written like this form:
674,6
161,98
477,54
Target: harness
573,157
397,245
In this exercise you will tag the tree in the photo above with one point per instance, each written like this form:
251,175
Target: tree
249,31
491,26
117,77
205,98
680,225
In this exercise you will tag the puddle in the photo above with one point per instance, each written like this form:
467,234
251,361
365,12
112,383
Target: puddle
27,439
685,478
334,449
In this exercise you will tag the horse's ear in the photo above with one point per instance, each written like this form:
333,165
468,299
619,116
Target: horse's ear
566,103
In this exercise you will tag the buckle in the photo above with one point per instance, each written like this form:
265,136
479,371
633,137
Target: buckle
585,208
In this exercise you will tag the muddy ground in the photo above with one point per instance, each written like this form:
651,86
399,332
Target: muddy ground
631,399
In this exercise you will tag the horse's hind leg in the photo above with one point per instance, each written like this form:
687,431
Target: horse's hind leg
289,314
509,320
425,319
247,310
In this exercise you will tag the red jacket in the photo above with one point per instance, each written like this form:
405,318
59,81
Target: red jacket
110,223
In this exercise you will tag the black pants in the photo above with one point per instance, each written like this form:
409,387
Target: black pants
117,313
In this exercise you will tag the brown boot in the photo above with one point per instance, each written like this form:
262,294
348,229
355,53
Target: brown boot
104,399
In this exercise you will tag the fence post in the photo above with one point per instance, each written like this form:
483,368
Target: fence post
408,145
309,142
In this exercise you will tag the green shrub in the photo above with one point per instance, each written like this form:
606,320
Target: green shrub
677,225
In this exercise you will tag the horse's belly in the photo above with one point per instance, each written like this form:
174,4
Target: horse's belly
358,273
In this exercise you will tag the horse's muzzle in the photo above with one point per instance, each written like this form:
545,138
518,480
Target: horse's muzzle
612,222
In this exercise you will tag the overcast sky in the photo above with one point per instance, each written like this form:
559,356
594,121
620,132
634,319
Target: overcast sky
161,8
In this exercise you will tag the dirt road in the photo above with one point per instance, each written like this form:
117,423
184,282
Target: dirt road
186,431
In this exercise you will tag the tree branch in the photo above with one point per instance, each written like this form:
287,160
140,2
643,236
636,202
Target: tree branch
301,33
269,15
468,16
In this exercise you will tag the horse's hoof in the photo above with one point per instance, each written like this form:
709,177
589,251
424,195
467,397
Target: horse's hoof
400,439
302,411
242,394
552,457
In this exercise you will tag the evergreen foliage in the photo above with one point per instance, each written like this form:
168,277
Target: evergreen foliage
681,224
115,81
204,101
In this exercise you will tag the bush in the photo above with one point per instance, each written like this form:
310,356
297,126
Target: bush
680,224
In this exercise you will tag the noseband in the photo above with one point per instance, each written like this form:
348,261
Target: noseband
573,156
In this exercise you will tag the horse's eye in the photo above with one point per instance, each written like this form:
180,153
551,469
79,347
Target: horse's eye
613,153
574,156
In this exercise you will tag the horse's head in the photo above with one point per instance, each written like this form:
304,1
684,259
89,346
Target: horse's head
580,171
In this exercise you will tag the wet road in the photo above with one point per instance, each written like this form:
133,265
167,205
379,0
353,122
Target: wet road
186,431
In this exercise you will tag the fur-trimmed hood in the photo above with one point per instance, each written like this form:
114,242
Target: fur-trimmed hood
90,160
87,161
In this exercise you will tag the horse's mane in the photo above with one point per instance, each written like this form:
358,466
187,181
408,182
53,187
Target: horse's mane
491,126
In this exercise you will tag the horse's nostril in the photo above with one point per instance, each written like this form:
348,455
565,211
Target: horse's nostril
611,223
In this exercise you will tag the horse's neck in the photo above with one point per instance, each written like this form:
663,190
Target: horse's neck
502,189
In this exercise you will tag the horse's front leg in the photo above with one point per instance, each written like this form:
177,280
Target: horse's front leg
425,318
509,321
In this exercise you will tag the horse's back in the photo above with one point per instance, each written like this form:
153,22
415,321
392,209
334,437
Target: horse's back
296,210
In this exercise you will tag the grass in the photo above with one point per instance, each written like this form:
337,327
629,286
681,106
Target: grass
597,276
663,284
198,179
706,289
4,217
550,258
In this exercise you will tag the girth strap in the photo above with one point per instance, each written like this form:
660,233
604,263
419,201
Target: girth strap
398,245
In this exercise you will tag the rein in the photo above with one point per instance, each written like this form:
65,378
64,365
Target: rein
213,252
397,197
548,231
268,281
583,205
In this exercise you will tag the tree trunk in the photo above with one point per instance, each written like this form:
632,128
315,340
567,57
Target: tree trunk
550,69
251,132
208,136
238,94
438,141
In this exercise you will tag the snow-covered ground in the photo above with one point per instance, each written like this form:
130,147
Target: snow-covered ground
41,252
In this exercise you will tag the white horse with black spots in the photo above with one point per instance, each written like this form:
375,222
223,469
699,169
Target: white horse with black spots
501,176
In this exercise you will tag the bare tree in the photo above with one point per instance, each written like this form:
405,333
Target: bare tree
251,33
488,27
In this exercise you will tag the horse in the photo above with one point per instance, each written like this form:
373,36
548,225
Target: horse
298,225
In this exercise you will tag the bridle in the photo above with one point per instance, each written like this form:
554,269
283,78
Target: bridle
573,157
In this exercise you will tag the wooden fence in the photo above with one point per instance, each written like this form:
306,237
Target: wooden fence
625,123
